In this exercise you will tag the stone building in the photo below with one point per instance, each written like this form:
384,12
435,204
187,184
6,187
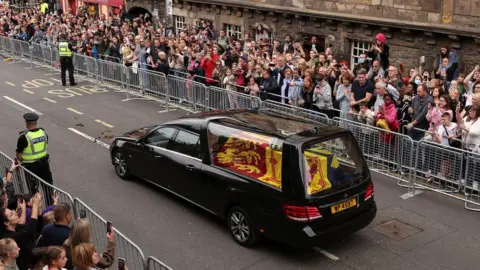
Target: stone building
414,28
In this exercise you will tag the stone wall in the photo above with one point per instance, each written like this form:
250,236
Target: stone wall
406,46
450,16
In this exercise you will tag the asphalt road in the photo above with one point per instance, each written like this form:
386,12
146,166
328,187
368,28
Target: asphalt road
184,236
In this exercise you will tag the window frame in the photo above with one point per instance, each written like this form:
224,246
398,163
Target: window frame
355,45
177,23
197,145
229,32
174,134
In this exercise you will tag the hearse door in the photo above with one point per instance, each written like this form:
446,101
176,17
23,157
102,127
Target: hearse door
182,157
151,162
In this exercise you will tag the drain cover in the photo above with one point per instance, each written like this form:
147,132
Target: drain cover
396,230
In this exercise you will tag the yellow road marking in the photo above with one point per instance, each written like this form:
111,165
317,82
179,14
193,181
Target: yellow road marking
51,100
103,123
75,111
9,83
28,91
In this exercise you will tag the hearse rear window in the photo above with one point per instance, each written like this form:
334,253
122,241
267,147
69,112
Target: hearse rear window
332,165
250,154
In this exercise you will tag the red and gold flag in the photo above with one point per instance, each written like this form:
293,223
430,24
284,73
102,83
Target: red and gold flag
252,155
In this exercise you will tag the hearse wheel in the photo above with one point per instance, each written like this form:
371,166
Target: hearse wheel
241,227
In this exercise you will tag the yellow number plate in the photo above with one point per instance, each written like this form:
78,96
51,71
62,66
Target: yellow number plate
344,205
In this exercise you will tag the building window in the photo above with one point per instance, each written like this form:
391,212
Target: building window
180,24
233,31
358,47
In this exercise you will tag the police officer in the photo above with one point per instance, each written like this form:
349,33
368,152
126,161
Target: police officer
65,51
44,7
32,153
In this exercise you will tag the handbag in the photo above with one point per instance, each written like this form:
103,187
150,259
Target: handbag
135,67
382,123
453,143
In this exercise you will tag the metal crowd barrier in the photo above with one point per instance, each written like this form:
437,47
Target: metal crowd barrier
155,264
390,153
420,165
124,247
23,181
387,153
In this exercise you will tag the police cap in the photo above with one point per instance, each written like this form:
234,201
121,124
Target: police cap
31,118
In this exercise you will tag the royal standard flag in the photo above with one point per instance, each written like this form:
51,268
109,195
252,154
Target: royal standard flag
322,168
252,155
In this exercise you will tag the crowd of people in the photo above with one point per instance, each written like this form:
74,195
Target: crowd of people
438,104
31,238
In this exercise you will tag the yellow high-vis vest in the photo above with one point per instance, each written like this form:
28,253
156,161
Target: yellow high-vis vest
63,50
37,146
43,8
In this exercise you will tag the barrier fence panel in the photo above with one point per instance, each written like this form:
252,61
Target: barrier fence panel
5,45
280,108
289,111
37,53
240,100
49,54
200,95
124,247
147,82
217,98
439,168
36,184
18,184
178,91
85,65
21,48
383,150
111,72
472,182
155,264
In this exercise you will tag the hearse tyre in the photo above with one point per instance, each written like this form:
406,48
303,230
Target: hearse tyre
121,166
241,227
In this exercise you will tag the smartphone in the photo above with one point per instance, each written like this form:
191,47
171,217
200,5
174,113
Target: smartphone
6,171
121,263
16,161
83,214
55,193
109,227
20,200
425,78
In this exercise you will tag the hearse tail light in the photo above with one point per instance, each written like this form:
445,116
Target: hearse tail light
301,213
369,192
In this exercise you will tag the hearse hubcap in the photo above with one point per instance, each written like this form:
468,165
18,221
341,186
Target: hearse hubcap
239,226
121,164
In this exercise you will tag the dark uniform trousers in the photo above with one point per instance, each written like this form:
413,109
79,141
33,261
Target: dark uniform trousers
40,168
66,63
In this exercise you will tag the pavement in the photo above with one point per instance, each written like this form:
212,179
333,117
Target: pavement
440,234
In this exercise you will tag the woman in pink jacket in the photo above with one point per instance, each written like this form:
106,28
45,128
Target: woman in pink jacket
388,112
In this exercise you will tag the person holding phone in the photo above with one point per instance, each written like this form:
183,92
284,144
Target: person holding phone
380,51
81,233
22,234
7,188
